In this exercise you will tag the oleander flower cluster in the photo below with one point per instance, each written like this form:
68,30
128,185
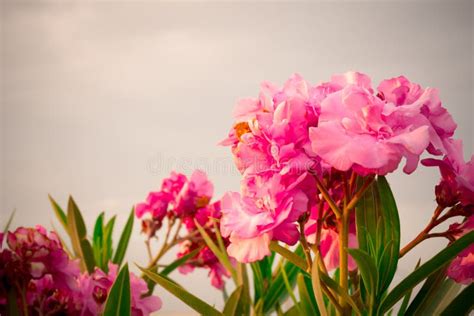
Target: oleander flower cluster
186,202
314,211
35,264
303,148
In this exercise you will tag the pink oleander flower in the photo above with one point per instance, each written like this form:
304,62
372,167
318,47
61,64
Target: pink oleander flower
195,193
207,217
179,197
354,133
268,211
94,290
407,100
43,253
457,176
461,268
44,295
188,200
271,132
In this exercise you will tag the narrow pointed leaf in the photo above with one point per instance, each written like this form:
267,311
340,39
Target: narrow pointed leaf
77,232
230,308
258,281
367,268
289,255
189,299
307,303
124,239
9,222
391,224
62,217
463,304
223,258
276,292
333,285
425,270
316,280
107,250
118,300
424,296
406,299
179,262
97,239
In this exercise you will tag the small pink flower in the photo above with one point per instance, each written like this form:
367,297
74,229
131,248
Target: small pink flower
457,176
156,205
196,193
461,268
94,291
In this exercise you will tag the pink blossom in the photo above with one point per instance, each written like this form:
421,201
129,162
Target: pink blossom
207,217
156,205
267,211
43,295
94,291
44,254
457,182
194,194
174,183
407,100
461,268
353,133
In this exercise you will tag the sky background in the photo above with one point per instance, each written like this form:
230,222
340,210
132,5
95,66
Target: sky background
102,99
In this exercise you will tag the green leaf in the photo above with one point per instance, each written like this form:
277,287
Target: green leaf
407,297
333,285
97,239
441,298
59,213
316,281
243,279
391,222
77,232
289,255
258,282
277,291
223,258
425,270
107,250
230,308
367,268
463,304
289,288
124,239
425,295
294,310
118,300
8,223
307,302
189,299
179,262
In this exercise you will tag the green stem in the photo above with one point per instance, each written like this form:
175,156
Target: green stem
343,258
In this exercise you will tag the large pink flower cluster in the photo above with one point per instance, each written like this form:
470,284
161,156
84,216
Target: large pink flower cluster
186,200
36,262
289,137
